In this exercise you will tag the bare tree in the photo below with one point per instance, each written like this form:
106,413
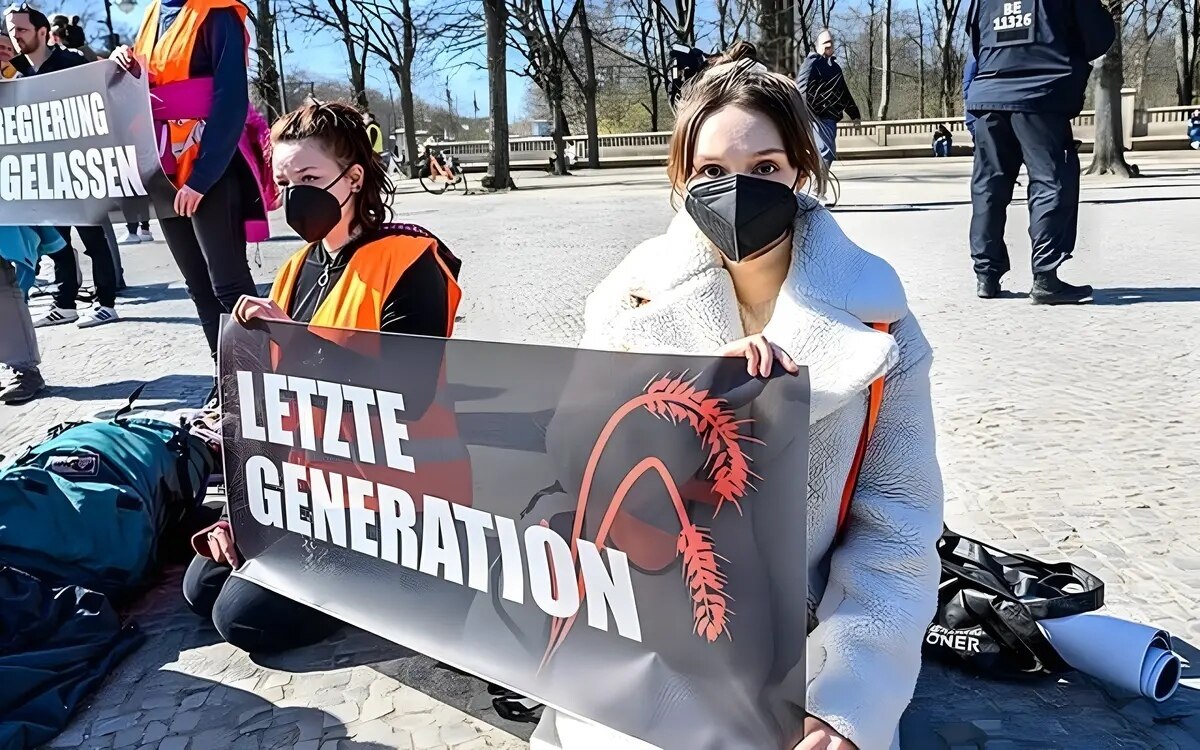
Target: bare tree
495,13
390,35
777,33
538,30
1146,16
732,17
885,93
266,83
947,12
585,80
920,42
1108,155
1187,49
342,18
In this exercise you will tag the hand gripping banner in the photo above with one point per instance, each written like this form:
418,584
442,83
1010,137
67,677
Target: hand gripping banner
616,535
76,145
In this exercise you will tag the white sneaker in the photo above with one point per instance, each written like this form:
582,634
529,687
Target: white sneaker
56,317
146,236
131,238
98,316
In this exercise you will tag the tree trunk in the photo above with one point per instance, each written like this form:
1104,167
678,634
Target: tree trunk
590,87
555,97
871,36
885,94
1108,155
776,26
266,83
496,19
358,75
1185,64
947,50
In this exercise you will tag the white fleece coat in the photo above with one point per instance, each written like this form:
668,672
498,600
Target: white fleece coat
871,595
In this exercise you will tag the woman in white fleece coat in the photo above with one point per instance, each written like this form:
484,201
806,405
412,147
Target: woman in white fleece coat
750,269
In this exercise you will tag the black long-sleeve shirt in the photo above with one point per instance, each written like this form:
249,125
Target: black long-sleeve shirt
220,54
824,87
417,305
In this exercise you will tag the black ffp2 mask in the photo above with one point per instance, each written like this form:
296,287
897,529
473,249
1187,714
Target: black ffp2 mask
741,214
313,211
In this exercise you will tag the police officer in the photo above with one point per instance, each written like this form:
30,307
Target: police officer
1033,61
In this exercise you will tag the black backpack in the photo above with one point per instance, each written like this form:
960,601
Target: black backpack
990,603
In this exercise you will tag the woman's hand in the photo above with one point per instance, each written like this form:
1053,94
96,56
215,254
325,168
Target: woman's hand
819,736
760,355
124,57
187,201
220,545
265,309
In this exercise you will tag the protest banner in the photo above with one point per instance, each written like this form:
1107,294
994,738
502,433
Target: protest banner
76,145
616,535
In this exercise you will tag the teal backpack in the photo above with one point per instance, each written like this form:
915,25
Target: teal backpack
89,506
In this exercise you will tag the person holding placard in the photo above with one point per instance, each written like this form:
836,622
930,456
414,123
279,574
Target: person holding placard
753,268
355,272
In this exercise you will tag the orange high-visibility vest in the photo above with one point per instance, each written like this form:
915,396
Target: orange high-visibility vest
355,303
168,59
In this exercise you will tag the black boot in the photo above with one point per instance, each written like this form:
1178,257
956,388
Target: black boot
1048,289
987,287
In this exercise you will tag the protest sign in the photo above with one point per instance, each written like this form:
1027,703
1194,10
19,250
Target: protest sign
616,535
75,145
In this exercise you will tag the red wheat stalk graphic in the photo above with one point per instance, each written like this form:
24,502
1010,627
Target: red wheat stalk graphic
678,401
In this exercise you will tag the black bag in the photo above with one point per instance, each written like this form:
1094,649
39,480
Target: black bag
989,604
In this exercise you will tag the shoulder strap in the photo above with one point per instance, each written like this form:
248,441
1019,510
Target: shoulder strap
874,402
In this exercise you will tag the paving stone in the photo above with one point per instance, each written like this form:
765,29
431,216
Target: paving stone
195,700
276,679
174,743
115,724
185,721
453,734
70,737
128,737
155,731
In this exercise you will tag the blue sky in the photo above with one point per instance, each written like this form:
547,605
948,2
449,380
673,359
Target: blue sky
326,57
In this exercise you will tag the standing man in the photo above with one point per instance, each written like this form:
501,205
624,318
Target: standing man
825,90
1033,61
375,132
30,32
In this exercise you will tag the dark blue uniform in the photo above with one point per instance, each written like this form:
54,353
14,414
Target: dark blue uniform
1032,62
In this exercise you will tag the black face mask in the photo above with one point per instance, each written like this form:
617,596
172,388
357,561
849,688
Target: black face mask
313,211
741,214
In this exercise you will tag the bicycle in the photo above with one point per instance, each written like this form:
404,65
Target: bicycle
441,173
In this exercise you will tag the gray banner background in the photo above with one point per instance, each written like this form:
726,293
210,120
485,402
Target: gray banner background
529,417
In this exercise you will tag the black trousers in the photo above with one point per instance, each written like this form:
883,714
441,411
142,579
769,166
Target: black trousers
66,268
249,616
210,249
1046,145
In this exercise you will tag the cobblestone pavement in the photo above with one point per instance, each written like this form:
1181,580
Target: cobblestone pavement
1064,432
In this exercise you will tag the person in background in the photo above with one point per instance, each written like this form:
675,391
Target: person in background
1033,63
943,140
137,222
1194,129
823,85
775,286
20,248
375,133
69,34
7,53
195,53
30,30
355,271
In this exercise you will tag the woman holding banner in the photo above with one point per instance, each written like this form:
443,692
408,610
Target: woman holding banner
195,52
752,268
355,272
